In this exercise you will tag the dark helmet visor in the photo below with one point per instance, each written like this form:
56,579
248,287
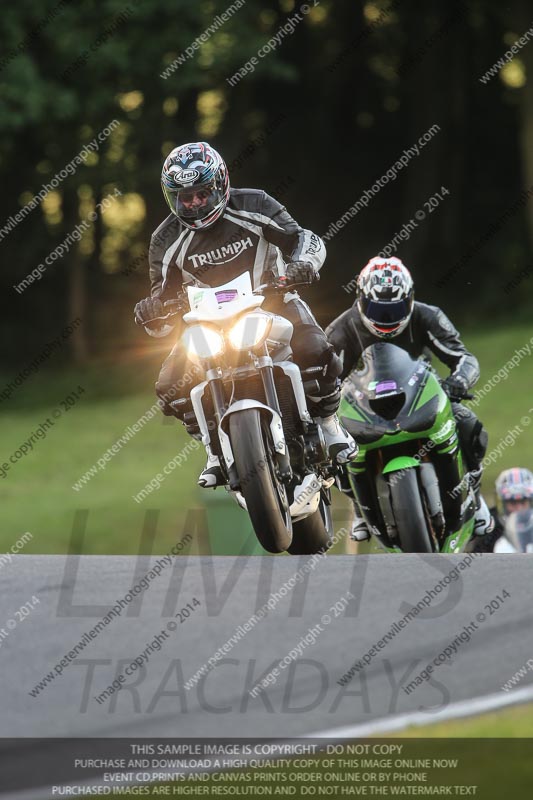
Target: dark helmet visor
383,312
194,202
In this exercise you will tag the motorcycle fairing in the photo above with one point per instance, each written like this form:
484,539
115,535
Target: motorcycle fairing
424,406
221,304
424,415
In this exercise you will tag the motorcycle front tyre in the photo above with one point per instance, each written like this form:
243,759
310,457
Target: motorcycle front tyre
265,495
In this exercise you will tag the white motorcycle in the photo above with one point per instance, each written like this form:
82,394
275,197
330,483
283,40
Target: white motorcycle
252,413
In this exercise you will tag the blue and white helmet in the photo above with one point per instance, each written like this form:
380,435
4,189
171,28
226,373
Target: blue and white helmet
195,184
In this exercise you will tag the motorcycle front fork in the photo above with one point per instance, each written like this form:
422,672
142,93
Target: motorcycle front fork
367,501
266,371
448,477
214,376
214,379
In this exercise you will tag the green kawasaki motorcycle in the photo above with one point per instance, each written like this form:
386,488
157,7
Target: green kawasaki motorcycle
409,478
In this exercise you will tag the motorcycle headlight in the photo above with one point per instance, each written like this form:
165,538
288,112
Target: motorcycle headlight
201,341
249,331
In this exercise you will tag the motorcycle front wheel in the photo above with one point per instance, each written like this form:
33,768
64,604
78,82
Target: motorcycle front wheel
265,495
408,511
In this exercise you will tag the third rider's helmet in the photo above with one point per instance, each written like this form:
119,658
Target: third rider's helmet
385,296
514,486
195,183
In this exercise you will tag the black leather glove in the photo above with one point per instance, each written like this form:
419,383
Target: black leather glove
148,309
455,387
301,272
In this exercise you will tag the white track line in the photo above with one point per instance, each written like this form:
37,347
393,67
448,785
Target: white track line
398,722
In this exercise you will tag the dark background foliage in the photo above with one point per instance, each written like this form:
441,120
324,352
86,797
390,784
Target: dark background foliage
320,119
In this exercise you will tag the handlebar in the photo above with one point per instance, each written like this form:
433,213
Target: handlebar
280,284
464,396
179,304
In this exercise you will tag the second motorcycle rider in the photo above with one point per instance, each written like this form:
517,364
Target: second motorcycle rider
385,310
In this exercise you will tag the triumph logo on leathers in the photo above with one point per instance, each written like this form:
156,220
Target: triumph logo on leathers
221,255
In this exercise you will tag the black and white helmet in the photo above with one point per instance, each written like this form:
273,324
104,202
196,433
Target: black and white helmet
385,296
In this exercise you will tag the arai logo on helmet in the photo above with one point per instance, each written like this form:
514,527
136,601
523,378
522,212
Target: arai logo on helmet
187,176
184,175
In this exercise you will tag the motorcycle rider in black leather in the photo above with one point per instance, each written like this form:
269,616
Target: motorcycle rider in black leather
213,234
385,310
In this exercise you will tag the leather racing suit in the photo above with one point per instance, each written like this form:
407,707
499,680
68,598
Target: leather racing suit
428,328
255,234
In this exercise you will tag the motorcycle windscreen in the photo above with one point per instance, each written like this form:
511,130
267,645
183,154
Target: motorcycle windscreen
387,384
386,369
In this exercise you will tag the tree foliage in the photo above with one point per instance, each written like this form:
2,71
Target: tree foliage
319,119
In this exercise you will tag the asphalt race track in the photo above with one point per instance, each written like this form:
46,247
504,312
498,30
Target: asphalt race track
74,593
